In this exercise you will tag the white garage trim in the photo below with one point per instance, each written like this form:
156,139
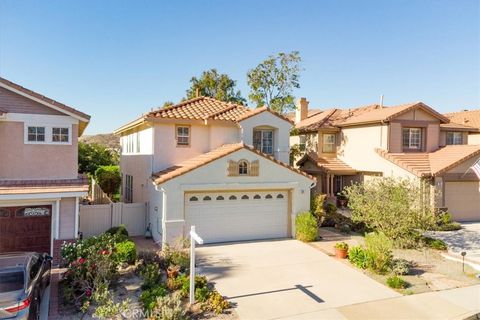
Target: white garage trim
227,215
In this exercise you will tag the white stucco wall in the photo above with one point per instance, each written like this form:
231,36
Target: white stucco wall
213,176
474,138
281,143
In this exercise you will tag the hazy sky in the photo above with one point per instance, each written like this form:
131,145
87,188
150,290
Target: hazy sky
117,59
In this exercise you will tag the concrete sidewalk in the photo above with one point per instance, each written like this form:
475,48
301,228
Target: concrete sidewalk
460,303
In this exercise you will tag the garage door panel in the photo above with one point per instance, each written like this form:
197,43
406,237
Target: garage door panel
462,198
251,215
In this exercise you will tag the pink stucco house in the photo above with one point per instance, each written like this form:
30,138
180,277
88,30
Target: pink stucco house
39,182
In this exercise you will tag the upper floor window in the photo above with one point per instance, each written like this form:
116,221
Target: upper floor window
60,135
303,142
328,145
183,136
243,168
128,188
454,138
263,141
36,134
412,139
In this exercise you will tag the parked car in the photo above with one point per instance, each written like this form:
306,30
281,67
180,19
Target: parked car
23,279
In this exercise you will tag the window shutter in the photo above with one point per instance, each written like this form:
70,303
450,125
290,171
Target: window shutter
232,168
254,168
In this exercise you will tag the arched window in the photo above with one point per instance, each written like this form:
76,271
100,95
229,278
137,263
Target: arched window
257,197
207,198
232,198
279,196
193,199
243,167
245,197
220,198
268,196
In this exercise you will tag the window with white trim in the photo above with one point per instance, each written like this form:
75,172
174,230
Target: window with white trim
454,137
263,141
60,134
128,188
183,136
412,139
36,134
303,142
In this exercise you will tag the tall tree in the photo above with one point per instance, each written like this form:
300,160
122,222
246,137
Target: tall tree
215,85
273,80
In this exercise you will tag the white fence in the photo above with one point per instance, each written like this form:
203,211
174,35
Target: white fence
97,194
95,219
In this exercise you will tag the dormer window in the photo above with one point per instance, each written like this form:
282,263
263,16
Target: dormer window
328,143
454,138
412,139
263,141
243,168
183,136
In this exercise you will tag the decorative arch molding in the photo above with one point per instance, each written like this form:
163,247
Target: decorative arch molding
243,168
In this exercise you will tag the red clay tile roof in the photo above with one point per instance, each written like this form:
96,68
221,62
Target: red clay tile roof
433,163
311,113
469,118
203,159
256,111
330,165
44,99
44,186
458,126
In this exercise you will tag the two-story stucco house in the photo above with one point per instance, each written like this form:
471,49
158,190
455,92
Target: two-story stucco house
470,118
39,181
414,141
219,166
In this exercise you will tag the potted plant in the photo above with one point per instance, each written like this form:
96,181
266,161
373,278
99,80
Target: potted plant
341,250
342,200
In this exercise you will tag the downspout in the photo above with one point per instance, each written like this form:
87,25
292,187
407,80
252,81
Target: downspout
164,214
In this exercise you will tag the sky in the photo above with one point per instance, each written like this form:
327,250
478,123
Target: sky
117,59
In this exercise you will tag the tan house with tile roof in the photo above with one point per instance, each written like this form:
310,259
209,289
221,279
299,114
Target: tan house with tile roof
344,146
39,182
219,166
467,118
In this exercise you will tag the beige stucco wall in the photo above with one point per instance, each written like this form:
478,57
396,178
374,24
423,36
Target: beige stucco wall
281,143
67,218
433,137
395,143
417,114
358,151
35,161
140,168
213,176
474,138
464,166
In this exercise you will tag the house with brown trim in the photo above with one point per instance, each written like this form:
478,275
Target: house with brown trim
39,182
470,118
218,166
345,146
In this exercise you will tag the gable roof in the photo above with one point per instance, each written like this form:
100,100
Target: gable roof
44,186
205,158
82,117
469,118
202,108
433,163
330,165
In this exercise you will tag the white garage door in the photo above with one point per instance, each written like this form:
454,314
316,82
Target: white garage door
235,216
463,200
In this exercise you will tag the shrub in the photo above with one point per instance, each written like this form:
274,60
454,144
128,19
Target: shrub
401,267
358,257
126,251
169,307
306,227
396,282
151,275
216,303
109,179
316,206
200,282
202,294
444,222
341,246
149,297
119,231
436,244
178,256
379,251
452,226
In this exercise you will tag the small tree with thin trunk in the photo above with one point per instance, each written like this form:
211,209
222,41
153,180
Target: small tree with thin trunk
399,208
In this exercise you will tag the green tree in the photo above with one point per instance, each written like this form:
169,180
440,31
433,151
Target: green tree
273,80
91,156
399,208
109,179
167,104
215,85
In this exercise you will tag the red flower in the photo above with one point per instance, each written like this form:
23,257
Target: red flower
88,293
105,252
81,260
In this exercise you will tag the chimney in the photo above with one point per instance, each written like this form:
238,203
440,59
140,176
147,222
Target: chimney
301,112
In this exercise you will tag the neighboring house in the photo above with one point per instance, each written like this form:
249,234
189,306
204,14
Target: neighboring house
409,141
219,166
470,118
39,181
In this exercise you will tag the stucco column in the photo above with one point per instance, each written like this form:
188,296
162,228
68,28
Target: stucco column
328,185
332,188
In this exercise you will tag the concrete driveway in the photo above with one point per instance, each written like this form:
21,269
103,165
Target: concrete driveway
466,239
284,279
